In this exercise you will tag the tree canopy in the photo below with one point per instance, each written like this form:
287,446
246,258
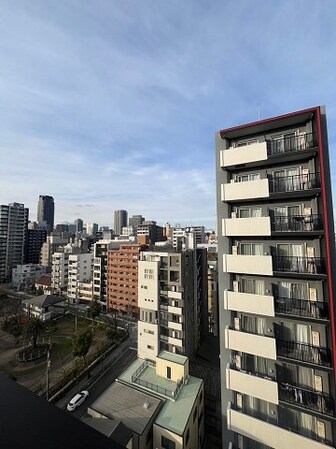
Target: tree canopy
32,329
94,309
82,344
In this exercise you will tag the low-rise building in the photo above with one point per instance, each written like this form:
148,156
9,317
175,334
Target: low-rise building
44,283
160,402
44,307
25,275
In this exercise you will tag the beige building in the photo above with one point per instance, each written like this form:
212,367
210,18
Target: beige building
159,401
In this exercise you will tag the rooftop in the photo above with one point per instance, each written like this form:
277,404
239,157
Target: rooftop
171,357
124,403
175,413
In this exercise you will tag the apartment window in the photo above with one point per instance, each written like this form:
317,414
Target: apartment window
251,249
249,212
244,143
147,331
166,443
248,177
150,347
254,286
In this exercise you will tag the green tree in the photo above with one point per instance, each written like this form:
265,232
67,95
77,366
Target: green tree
94,309
82,345
111,333
32,329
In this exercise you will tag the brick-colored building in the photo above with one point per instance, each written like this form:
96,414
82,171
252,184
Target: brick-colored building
122,273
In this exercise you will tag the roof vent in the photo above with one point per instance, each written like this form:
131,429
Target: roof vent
146,405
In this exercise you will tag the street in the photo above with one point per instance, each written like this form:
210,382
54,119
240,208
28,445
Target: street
100,376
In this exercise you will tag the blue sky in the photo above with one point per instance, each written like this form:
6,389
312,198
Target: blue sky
114,104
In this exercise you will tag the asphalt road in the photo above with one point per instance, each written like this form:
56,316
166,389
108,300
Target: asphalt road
101,377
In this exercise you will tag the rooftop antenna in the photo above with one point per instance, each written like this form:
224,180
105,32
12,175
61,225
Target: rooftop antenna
258,111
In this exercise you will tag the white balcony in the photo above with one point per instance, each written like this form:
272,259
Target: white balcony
248,190
256,226
268,434
249,303
175,326
250,343
174,295
240,263
244,155
258,387
175,341
175,310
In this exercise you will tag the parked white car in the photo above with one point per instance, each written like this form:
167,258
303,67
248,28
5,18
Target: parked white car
77,400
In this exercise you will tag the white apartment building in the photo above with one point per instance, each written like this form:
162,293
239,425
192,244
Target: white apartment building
80,267
172,290
26,274
49,247
187,237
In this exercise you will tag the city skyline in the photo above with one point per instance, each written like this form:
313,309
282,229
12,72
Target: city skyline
117,107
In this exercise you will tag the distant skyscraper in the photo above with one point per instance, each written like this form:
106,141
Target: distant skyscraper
46,211
79,225
13,226
92,228
136,220
120,220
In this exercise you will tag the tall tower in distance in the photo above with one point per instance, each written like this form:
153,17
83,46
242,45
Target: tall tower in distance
120,220
277,304
13,226
46,211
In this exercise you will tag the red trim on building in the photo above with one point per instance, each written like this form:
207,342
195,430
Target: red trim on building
272,119
327,237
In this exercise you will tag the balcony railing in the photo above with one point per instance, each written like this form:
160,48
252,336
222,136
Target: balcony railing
304,352
301,307
291,144
297,223
292,427
294,183
307,398
299,264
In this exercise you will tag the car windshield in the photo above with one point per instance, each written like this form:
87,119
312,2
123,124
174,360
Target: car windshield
76,399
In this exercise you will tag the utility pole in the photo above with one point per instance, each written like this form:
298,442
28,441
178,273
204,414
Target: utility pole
47,375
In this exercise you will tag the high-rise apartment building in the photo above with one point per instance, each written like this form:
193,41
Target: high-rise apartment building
34,240
122,273
172,298
120,220
276,283
13,226
46,211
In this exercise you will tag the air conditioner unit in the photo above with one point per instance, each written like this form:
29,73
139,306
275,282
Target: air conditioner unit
234,249
233,214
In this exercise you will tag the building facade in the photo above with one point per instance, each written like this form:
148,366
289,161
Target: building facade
120,220
149,232
122,273
172,298
49,247
34,240
80,268
276,292
13,226
25,275
46,211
